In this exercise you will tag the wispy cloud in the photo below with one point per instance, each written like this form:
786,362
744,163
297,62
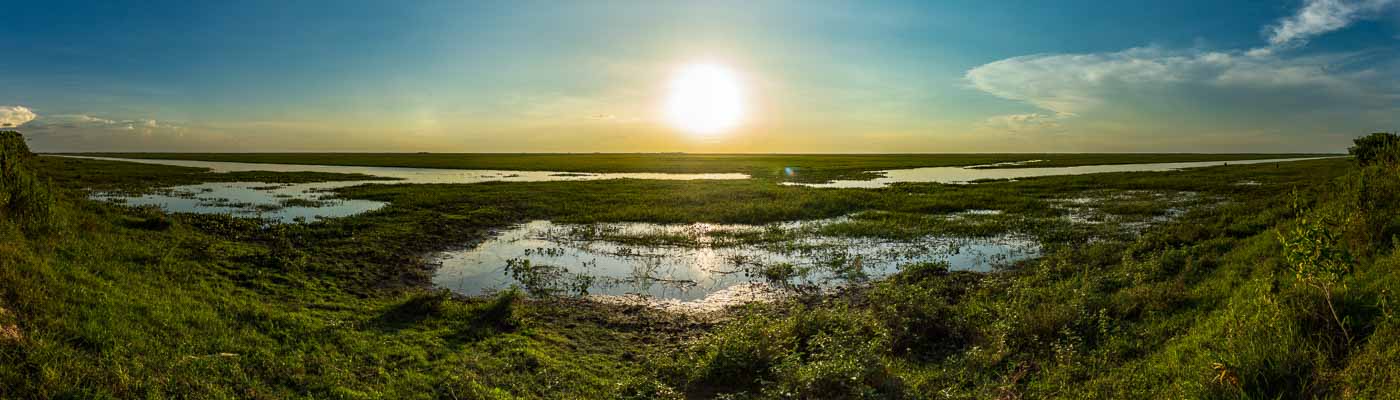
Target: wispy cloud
1317,17
1077,83
1026,123
88,125
14,116
1134,80
92,119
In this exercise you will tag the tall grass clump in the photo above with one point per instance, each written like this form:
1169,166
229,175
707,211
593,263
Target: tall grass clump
819,352
24,198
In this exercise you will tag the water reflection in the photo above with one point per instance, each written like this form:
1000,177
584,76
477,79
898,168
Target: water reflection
690,261
425,175
960,175
312,201
303,202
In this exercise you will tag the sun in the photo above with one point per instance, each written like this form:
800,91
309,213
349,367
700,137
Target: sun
705,99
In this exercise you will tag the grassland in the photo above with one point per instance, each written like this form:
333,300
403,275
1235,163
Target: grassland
109,301
804,167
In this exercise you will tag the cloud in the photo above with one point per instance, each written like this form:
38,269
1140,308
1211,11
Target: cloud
1078,83
1322,16
87,125
1254,86
92,119
1030,122
14,116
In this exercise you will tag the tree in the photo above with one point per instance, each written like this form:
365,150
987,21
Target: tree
1379,148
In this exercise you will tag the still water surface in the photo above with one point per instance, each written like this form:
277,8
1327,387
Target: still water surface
285,203
961,175
426,175
251,199
275,202
705,262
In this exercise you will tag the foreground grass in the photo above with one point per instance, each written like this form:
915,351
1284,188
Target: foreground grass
132,303
120,302
794,167
120,306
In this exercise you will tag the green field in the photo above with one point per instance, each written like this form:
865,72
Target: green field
808,167
1250,281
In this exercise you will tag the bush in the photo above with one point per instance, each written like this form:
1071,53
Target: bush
24,198
1376,148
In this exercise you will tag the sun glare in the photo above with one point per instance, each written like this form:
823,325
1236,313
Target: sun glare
705,99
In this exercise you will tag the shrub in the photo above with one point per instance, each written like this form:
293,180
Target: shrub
24,198
1379,147
1313,251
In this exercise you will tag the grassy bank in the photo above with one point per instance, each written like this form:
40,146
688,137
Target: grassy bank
112,302
109,301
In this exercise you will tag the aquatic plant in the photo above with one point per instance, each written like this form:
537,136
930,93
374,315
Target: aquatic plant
544,280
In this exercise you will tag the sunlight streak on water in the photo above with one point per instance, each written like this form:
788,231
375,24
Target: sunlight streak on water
707,264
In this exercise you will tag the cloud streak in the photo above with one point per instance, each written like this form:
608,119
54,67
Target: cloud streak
1078,83
1029,122
1318,17
87,125
1135,81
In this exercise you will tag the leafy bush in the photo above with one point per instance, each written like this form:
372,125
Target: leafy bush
1379,147
24,198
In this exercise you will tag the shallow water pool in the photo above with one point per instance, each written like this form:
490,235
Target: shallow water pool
302,202
961,175
314,201
692,261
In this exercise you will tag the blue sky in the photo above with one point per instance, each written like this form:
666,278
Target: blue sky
956,76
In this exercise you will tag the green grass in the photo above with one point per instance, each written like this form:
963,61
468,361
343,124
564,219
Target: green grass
805,167
126,303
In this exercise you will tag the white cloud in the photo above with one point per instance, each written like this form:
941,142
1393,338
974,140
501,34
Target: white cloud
14,116
1029,122
90,126
92,119
1078,83
1260,85
1322,16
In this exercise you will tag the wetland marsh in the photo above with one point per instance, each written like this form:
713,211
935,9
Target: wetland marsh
686,200
659,288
